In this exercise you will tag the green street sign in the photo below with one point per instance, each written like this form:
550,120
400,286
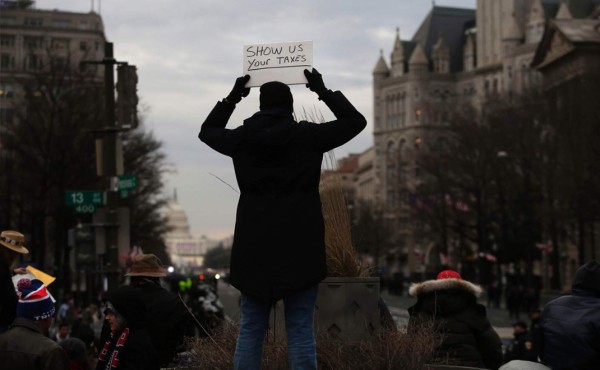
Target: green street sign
127,182
84,201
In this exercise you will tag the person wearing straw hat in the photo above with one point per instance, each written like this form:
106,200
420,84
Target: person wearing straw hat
167,320
26,344
13,245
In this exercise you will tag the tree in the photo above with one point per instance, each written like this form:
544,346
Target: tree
483,186
47,149
217,257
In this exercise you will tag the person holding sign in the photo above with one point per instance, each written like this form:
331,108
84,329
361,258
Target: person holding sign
279,248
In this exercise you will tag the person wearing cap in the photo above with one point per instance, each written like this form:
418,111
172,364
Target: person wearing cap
129,345
167,320
468,338
278,249
571,324
12,246
26,344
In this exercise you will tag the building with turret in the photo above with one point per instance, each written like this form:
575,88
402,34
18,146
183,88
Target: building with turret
456,57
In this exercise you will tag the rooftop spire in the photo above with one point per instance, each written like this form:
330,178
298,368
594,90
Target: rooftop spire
397,56
381,67
564,12
418,56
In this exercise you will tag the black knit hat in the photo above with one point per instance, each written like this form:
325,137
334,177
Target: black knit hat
275,94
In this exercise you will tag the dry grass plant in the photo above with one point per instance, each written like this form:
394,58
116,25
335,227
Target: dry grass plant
390,349
342,257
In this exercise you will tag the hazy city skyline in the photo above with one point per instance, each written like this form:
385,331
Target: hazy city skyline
188,55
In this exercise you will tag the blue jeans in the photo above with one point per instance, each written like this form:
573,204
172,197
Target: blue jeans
299,326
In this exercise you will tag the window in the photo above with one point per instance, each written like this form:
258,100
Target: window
32,62
418,141
61,23
8,21
60,44
7,41
7,61
34,22
82,46
418,115
83,25
33,42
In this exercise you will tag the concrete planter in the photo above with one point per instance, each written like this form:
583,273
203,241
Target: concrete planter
347,307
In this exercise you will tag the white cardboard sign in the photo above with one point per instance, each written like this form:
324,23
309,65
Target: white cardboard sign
283,62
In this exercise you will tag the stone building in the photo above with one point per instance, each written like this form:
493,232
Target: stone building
456,57
568,57
29,37
186,251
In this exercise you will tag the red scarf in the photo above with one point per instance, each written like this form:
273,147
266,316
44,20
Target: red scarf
113,361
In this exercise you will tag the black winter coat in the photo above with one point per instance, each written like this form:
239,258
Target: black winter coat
571,324
468,337
138,353
279,245
8,297
167,320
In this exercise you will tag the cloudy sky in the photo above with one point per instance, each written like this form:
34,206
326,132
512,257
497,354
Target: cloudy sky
189,52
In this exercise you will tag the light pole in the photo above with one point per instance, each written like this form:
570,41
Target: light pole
111,164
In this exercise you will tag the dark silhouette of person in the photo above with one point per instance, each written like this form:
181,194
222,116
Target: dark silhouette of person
167,320
450,302
571,324
278,249
12,244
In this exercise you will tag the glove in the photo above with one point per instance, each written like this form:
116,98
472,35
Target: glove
315,81
239,90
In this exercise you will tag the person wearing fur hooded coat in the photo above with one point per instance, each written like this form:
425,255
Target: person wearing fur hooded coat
468,338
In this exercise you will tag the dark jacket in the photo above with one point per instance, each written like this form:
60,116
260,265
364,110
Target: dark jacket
167,320
279,245
8,297
521,348
25,347
138,352
571,324
467,336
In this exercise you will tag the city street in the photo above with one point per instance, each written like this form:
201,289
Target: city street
398,305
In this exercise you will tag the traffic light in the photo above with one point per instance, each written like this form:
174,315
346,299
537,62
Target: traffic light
127,98
85,248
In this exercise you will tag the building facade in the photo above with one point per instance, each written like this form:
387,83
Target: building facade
186,251
33,40
456,57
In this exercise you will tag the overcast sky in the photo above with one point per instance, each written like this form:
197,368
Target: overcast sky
189,52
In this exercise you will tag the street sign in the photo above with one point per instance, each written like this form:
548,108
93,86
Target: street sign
84,201
127,182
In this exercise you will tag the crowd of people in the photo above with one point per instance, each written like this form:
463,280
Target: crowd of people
144,324
278,164
563,335
139,326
